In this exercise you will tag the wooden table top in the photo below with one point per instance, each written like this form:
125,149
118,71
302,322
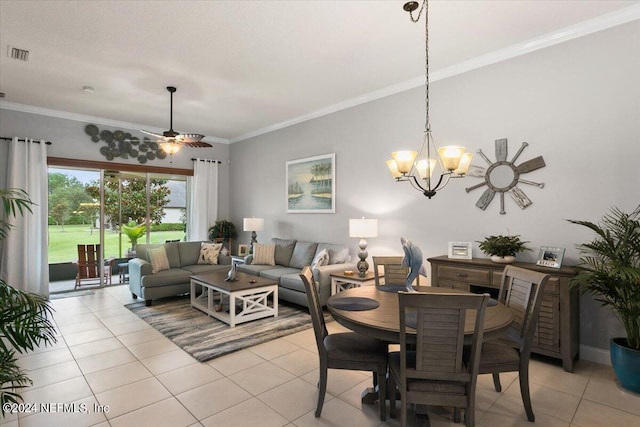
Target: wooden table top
384,322
244,281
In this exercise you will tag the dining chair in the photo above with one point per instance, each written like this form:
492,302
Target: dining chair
521,290
435,371
345,350
389,271
88,266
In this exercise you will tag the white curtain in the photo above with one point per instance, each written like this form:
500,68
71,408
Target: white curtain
203,199
24,256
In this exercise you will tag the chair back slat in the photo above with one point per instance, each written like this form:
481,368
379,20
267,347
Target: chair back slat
88,267
521,290
388,270
315,308
440,333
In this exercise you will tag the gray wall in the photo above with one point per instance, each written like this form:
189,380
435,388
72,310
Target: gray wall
71,142
576,104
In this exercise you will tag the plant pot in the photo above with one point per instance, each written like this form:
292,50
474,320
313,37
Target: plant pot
503,259
626,364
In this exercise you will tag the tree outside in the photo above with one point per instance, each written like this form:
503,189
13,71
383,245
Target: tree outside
134,201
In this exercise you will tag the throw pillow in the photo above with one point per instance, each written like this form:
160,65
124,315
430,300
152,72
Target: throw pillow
284,249
209,253
158,259
264,254
339,256
322,258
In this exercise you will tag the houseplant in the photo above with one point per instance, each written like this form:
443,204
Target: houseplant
503,249
609,269
223,229
24,316
134,232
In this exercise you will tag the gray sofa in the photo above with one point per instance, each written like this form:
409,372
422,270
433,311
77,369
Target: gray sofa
183,262
290,257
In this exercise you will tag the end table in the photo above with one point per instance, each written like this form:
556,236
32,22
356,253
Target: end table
341,281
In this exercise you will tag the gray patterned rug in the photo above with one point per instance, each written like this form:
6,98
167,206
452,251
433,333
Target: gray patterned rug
206,338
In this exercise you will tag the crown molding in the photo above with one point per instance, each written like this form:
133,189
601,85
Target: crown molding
48,112
584,28
619,17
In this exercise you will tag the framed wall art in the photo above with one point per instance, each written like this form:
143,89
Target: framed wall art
460,250
311,184
550,257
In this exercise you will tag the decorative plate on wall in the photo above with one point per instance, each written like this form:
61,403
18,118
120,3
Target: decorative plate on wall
123,145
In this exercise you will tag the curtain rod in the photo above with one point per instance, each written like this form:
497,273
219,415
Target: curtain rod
207,160
5,138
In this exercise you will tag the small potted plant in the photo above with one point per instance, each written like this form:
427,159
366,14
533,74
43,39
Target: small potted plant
609,269
225,230
503,249
134,232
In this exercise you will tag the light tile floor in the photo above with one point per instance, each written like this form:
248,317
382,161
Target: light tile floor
118,371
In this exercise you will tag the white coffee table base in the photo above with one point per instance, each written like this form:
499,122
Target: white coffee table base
255,303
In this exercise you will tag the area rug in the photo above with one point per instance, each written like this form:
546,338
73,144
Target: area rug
206,338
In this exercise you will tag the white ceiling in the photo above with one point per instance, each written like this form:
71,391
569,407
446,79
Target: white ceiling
247,67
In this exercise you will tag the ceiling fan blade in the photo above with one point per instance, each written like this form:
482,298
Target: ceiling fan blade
188,138
198,144
157,135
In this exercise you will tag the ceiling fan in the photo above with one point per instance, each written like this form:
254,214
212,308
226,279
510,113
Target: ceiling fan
170,140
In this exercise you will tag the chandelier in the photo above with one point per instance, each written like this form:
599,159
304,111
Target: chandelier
419,167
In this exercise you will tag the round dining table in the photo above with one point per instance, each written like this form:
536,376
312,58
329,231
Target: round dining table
383,322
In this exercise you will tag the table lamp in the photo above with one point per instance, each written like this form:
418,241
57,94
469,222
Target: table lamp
363,228
253,225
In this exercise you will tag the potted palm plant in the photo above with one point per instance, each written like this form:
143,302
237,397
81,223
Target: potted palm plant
134,232
609,269
503,249
24,316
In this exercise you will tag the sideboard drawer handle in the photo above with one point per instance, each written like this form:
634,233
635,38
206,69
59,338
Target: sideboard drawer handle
461,274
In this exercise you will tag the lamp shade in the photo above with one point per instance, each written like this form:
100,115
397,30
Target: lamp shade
253,224
363,227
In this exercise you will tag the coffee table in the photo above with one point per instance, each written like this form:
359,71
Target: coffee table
248,298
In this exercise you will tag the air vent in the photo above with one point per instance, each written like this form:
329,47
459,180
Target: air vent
18,54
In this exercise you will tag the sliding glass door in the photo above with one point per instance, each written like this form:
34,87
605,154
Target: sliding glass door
137,207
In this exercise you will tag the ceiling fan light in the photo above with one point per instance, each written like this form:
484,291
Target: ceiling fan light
170,147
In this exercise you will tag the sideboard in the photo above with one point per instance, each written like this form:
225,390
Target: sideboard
558,331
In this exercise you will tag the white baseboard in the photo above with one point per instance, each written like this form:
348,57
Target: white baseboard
596,355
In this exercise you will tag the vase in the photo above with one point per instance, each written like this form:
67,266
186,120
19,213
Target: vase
503,259
626,364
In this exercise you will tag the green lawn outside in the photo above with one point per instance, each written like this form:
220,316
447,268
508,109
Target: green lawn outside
63,242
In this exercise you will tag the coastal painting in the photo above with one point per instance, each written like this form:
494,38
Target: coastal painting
311,186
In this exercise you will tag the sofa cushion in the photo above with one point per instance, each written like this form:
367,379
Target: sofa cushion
284,249
205,268
172,276
189,252
253,269
277,273
264,254
303,254
173,254
338,254
209,253
158,259
293,282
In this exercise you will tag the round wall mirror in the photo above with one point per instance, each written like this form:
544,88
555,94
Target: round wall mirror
501,177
